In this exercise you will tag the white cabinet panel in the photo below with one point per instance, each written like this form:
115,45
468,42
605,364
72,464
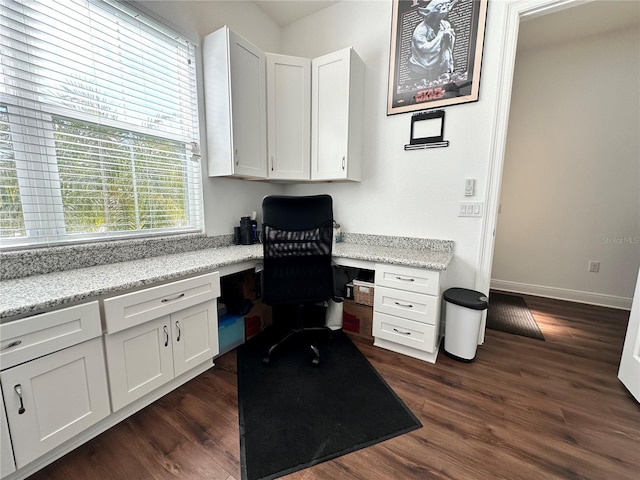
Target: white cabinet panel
53,398
235,103
195,336
139,360
336,116
288,117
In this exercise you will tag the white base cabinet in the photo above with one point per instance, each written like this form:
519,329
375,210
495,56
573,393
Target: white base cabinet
406,313
145,357
54,381
159,333
53,398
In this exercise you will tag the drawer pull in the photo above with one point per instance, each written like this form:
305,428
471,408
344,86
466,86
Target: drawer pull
12,344
18,390
165,300
406,305
178,329
166,336
402,333
405,279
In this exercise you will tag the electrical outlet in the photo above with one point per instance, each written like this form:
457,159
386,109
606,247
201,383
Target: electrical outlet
594,267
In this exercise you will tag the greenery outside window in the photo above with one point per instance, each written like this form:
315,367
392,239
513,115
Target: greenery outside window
98,124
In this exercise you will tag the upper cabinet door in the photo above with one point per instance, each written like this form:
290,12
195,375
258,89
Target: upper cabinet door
235,102
288,117
336,122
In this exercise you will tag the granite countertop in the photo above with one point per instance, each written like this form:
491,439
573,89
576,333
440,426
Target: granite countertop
38,293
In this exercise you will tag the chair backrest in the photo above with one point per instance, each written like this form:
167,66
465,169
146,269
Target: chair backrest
297,241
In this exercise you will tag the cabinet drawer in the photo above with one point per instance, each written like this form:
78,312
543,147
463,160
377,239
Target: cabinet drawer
414,306
405,332
38,335
139,307
416,280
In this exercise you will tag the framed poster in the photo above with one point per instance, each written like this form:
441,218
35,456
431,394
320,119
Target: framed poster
436,53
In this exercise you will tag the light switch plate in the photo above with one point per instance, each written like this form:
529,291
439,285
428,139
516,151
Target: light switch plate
470,209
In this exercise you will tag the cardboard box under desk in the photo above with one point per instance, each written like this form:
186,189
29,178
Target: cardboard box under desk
357,319
257,319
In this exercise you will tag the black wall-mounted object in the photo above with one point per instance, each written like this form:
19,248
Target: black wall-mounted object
427,130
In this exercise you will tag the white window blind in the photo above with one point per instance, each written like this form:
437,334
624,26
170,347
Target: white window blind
98,124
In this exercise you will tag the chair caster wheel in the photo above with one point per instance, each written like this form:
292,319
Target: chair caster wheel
266,361
315,362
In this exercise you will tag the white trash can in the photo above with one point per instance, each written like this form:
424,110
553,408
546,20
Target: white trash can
463,316
334,313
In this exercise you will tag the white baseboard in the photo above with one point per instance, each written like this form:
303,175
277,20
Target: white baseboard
611,301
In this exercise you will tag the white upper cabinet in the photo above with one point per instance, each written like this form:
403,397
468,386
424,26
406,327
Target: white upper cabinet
235,105
288,117
279,117
336,119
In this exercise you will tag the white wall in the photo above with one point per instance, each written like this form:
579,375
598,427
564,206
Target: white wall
571,180
406,193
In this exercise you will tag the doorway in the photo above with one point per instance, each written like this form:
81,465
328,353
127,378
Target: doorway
557,207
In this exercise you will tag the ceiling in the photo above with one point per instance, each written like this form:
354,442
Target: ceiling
569,24
576,22
286,12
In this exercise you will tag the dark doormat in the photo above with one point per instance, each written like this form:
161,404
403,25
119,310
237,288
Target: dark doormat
510,314
294,415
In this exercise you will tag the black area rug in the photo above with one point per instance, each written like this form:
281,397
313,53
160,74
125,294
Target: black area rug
510,314
294,415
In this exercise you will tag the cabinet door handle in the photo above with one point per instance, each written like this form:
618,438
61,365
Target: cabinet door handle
164,300
11,345
405,279
178,329
402,333
343,162
406,305
237,160
18,390
272,161
166,336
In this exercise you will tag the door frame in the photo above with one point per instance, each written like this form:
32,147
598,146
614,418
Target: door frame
515,12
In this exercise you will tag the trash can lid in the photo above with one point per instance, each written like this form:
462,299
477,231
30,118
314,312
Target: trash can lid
466,298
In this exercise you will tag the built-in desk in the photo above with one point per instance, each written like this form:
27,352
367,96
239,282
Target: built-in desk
39,293
61,324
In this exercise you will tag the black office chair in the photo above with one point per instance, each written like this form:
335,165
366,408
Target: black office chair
297,272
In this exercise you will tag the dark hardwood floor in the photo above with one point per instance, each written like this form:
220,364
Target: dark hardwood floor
524,409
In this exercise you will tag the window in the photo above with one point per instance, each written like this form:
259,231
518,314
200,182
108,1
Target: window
98,124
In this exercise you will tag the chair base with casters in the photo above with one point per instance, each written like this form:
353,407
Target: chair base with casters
297,239
296,332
